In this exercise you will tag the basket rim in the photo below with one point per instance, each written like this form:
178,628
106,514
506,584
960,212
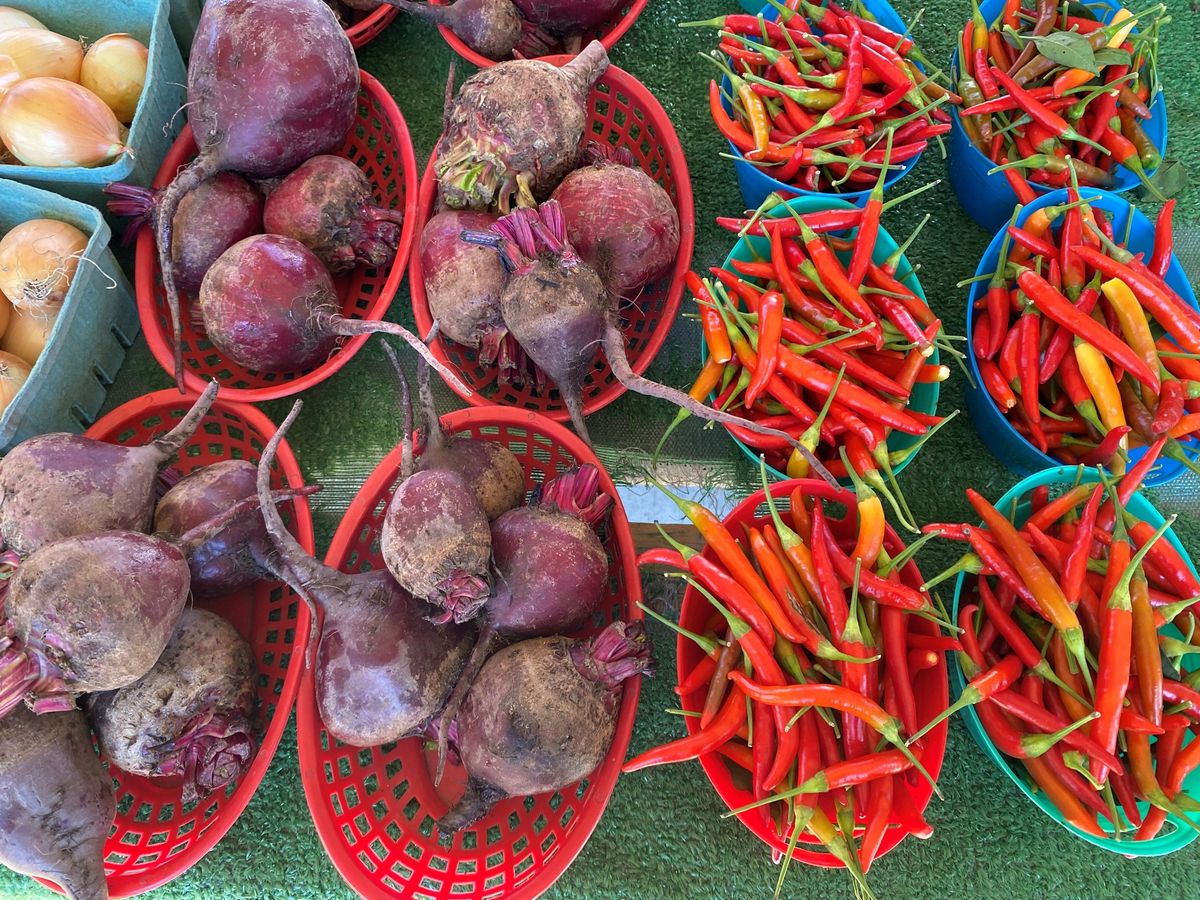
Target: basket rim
608,39
715,771
308,721
371,25
174,866
146,267
622,80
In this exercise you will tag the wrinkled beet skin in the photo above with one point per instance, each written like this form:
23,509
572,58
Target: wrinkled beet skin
211,219
462,281
57,486
56,802
383,669
270,104
434,527
532,723
553,570
621,222
568,17
494,474
261,302
113,598
227,563
206,668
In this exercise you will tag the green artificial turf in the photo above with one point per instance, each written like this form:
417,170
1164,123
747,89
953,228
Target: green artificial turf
662,835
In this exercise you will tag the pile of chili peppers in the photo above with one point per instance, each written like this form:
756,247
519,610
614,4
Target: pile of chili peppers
1073,642
1083,344
817,95
1026,112
806,683
819,341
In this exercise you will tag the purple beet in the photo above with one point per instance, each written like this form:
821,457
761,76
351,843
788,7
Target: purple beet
463,281
210,219
56,802
57,486
328,206
383,671
271,83
620,220
567,17
513,131
190,715
491,28
542,715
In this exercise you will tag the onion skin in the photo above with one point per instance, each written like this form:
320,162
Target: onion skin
114,69
41,53
59,125
38,260
11,18
28,332
14,372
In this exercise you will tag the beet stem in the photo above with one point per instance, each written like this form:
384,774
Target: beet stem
172,442
195,538
27,672
439,15
406,407
585,69
471,807
340,325
479,655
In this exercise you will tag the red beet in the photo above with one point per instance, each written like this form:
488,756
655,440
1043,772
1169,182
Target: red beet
210,219
57,486
513,131
620,220
491,28
383,671
565,17
271,83
542,715
463,281
328,206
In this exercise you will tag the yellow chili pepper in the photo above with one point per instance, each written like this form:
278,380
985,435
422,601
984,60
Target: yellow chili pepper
1132,319
1118,38
756,112
1098,376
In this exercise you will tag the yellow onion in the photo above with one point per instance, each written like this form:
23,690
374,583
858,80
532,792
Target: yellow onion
9,74
114,69
27,333
13,373
14,18
5,314
38,259
55,123
42,54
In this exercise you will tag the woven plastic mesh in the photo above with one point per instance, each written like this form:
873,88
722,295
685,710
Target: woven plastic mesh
364,27
156,837
375,808
380,145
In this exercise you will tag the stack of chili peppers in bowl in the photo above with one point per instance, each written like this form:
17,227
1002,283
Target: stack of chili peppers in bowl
1077,620
806,652
1084,334
1046,82
817,326
813,96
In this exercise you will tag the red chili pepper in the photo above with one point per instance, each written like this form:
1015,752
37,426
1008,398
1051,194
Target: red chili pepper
732,131
770,329
1061,341
720,730
698,677
1164,242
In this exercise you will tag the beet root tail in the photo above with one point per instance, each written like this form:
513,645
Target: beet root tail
352,327
172,442
471,807
479,654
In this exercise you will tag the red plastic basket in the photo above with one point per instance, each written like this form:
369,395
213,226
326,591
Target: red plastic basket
621,112
156,838
930,687
375,809
608,34
366,26
379,143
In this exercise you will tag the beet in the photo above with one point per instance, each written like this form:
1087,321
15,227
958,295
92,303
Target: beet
491,28
271,83
542,715
567,17
383,671
210,219
513,131
57,486
463,281
620,220
269,304
190,715
56,802
327,205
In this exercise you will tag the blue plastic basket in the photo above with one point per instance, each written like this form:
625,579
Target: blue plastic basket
96,325
1010,447
158,119
924,396
988,199
1182,835
757,185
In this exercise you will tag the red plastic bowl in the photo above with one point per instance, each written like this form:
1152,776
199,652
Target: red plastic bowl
156,838
608,34
621,112
380,145
369,25
930,687
375,808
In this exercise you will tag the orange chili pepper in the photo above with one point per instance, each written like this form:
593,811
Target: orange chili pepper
1061,796
871,518
756,112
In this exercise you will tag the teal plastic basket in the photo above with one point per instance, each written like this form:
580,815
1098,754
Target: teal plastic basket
158,117
1182,834
95,327
924,396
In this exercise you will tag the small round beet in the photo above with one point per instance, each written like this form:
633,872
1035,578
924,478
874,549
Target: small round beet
463,281
491,28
